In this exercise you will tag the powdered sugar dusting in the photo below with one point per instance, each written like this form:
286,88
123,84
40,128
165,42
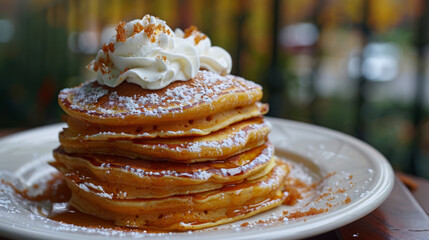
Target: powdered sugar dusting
262,158
23,214
272,182
238,138
96,189
86,95
203,89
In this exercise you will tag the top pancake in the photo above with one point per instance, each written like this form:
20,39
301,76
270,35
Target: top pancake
206,94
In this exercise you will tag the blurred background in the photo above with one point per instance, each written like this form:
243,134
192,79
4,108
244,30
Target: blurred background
356,66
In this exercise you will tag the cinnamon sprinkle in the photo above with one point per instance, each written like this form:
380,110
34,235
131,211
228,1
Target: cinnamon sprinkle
138,28
245,224
102,64
192,30
126,69
120,32
149,30
152,29
347,200
310,212
56,191
164,58
199,37
108,47
293,196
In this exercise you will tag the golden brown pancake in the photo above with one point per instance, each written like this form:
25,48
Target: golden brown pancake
183,128
229,141
128,104
188,212
124,178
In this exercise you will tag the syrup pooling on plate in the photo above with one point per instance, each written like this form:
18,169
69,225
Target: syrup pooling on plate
72,220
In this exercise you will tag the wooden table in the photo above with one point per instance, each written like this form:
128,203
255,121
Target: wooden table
404,215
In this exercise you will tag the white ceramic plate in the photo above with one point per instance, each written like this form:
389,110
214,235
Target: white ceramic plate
361,174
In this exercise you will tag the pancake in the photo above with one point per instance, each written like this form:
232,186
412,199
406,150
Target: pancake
206,94
148,179
183,128
229,141
188,212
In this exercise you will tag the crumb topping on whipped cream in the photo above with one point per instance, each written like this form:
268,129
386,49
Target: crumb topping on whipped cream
148,53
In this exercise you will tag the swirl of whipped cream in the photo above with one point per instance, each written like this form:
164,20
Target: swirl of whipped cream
148,53
214,59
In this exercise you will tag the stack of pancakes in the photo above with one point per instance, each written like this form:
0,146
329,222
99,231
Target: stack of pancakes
192,155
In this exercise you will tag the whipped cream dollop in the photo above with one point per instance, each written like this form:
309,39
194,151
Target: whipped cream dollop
148,53
214,59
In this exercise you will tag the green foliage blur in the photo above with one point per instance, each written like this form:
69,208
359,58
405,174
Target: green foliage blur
52,41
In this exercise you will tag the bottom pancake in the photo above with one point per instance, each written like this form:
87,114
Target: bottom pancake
188,212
